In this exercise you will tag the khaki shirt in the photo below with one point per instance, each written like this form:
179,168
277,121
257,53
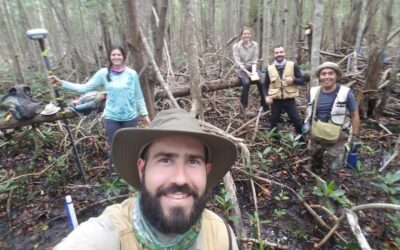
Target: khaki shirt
100,233
245,56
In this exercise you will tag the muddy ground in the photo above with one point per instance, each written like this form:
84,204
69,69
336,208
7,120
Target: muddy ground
32,203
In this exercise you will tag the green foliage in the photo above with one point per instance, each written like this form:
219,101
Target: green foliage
278,213
253,218
305,66
262,156
5,188
300,235
394,222
265,156
397,241
358,169
301,193
291,141
368,148
350,246
112,187
390,185
224,200
282,196
55,176
230,92
270,134
328,192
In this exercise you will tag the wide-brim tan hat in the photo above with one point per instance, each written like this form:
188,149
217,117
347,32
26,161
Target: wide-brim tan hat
50,109
330,65
129,143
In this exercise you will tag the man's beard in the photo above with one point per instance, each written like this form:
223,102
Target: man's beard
177,222
279,59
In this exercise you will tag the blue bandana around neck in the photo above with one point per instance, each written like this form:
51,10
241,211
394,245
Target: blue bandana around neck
280,65
152,239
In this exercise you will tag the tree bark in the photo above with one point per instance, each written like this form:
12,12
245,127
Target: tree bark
266,39
27,52
242,13
292,24
121,21
375,65
161,9
378,109
209,86
105,30
279,23
227,21
191,46
351,25
300,36
329,37
385,95
360,34
73,52
54,28
211,23
285,25
11,41
316,40
156,69
136,47
39,13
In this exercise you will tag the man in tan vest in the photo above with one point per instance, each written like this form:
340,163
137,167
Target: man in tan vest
281,86
173,164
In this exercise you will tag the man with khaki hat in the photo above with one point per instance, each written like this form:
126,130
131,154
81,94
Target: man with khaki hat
329,108
173,164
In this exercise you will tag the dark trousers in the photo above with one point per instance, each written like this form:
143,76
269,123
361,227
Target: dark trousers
245,81
112,127
290,106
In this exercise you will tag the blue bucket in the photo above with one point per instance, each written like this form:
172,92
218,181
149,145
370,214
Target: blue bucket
352,160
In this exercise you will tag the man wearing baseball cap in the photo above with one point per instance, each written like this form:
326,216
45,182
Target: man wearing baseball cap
173,164
331,105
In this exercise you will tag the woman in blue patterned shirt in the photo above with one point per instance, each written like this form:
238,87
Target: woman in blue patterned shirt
125,103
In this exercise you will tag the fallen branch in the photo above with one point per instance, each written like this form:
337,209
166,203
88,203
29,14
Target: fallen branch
329,234
394,155
211,128
356,208
14,123
256,126
256,209
156,69
231,188
209,86
356,229
326,210
228,180
376,206
246,124
384,128
27,175
308,208
266,242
